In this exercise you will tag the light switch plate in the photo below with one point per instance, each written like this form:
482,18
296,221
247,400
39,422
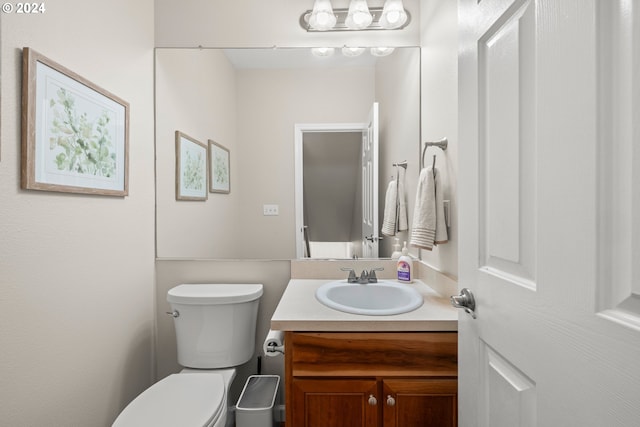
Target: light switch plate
270,210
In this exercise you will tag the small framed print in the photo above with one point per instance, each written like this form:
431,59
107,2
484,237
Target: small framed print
220,168
75,135
191,168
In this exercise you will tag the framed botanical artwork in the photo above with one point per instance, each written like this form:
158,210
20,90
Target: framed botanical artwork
191,168
220,167
75,135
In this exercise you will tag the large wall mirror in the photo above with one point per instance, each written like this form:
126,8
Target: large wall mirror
250,102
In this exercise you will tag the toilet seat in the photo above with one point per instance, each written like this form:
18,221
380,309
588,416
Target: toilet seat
185,399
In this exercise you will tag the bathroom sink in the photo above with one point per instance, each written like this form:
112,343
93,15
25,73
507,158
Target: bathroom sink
373,299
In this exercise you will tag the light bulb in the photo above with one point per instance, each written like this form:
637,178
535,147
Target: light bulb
393,15
352,51
358,16
382,51
322,17
323,51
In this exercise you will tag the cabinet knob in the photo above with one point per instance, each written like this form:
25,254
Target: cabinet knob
391,401
372,400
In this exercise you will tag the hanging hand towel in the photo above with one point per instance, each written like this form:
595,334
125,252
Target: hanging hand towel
403,220
390,202
441,223
428,215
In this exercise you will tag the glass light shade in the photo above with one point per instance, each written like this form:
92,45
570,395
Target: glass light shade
322,51
322,17
393,15
352,51
381,51
358,16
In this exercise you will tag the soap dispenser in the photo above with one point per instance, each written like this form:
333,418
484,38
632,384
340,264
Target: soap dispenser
396,250
405,266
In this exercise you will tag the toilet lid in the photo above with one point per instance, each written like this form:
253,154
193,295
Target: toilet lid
186,399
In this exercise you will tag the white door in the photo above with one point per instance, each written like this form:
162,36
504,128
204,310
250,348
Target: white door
370,232
549,212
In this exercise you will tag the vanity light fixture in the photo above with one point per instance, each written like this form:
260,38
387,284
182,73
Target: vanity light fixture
359,16
382,51
323,51
322,17
352,51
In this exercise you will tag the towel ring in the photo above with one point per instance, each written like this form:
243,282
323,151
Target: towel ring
442,144
402,164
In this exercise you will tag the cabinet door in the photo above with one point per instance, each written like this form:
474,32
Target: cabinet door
420,402
335,403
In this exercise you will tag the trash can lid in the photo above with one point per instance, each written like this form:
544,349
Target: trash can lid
259,392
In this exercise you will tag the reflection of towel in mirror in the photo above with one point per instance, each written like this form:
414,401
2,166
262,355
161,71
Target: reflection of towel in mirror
428,216
390,205
395,207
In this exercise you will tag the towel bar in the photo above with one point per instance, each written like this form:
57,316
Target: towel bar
442,144
402,164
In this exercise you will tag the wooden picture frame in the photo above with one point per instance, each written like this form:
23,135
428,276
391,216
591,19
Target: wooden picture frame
75,135
220,168
191,168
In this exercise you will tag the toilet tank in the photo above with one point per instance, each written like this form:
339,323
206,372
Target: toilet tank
215,323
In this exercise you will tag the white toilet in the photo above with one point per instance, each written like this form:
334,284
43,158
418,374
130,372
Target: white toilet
215,331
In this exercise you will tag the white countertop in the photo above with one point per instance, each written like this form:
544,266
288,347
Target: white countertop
299,310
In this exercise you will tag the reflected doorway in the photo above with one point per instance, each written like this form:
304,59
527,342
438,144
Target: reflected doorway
337,190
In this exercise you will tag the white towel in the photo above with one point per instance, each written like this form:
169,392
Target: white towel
403,220
441,223
429,225
395,207
390,202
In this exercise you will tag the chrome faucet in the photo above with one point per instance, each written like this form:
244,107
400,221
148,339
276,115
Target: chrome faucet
365,277
352,275
372,274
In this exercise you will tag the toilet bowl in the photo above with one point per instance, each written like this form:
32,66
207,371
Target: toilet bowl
215,331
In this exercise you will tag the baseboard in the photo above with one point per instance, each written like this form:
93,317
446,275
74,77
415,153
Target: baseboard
279,413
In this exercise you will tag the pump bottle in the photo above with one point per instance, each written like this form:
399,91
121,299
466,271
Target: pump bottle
405,266
396,250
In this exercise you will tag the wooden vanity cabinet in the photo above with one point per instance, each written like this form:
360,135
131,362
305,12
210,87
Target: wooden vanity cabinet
427,402
373,379
334,403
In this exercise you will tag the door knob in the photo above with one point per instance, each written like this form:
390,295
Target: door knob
370,238
372,400
465,301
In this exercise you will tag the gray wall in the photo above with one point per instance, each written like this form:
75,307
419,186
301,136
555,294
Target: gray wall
77,294
76,271
439,97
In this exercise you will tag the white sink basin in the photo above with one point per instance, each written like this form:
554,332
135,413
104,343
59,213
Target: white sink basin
373,299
